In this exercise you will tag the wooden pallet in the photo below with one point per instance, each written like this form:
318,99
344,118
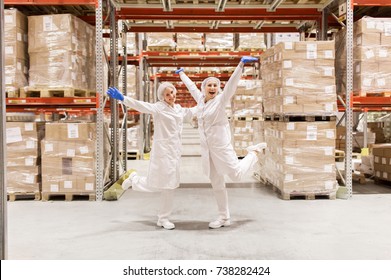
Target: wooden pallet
219,49
24,196
376,94
298,118
132,155
160,48
189,49
339,155
246,118
250,49
12,93
55,92
46,196
304,195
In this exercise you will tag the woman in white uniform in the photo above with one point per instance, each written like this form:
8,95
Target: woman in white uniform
163,172
218,156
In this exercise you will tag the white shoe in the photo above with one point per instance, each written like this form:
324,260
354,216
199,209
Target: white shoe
220,223
165,224
128,182
257,147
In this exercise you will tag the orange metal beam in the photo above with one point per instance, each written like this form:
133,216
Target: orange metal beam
211,14
371,3
49,2
204,29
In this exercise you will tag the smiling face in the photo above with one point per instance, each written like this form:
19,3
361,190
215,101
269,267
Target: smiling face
169,96
211,89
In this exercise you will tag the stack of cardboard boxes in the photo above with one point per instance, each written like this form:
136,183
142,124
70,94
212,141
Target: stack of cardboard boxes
219,42
161,41
62,52
15,47
247,127
68,159
372,57
300,156
23,157
190,42
382,161
251,42
299,77
299,104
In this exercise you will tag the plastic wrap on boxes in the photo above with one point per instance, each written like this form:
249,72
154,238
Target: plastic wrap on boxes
170,70
251,41
299,77
371,57
219,41
190,41
23,156
246,133
68,158
16,75
131,79
15,50
161,40
133,135
62,52
64,32
58,68
247,102
300,156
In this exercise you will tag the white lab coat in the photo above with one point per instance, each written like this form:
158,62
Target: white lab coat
214,130
163,172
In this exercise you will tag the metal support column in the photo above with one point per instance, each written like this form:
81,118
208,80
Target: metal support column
146,118
3,150
365,128
324,25
348,101
124,126
140,91
113,102
100,94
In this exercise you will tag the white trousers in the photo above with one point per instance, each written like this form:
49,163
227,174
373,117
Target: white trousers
139,183
243,166
218,183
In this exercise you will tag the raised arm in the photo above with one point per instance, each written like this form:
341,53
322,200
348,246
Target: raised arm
141,106
232,84
191,86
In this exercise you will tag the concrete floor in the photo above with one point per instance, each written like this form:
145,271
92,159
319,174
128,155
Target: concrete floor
263,226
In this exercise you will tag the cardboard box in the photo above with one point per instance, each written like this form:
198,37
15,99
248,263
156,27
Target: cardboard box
369,25
367,39
15,19
22,161
70,131
21,131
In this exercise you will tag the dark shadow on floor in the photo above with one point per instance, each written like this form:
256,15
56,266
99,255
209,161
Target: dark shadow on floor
370,187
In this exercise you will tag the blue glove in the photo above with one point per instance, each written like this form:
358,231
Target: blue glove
246,59
114,93
179,70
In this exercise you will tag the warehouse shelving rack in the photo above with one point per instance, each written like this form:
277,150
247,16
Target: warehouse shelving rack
352,103
3,149
273,16
97,106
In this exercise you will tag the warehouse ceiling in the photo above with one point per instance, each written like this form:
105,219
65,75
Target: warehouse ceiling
215,16
220,16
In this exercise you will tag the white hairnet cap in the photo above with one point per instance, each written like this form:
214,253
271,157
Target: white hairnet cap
162,88
210,80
